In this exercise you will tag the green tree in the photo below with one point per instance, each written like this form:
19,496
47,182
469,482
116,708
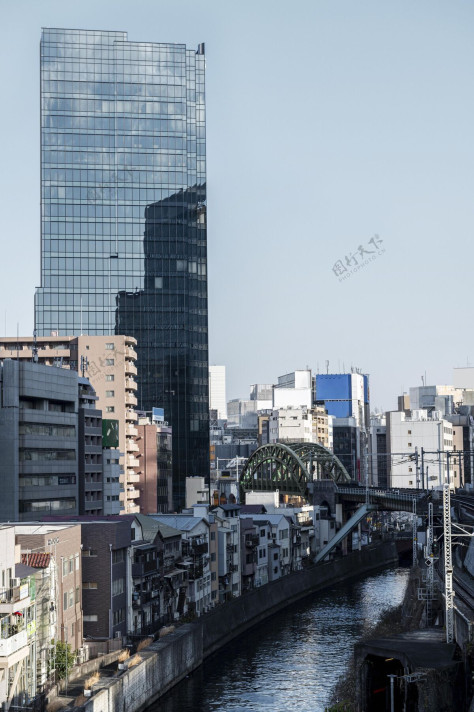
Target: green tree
64,658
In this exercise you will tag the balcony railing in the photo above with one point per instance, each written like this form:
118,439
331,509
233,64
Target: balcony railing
17,597
8,646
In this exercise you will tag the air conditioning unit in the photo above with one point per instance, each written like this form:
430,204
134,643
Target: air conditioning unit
15,582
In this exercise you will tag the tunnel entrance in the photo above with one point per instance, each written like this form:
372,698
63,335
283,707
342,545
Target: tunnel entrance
377,683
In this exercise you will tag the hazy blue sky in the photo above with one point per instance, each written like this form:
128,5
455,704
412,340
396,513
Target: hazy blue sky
328,121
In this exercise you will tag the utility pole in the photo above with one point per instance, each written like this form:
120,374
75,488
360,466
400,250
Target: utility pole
448,565
415,553
417,468
423,470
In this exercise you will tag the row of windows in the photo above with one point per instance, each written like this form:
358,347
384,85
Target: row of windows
48,505
99,176
116,125
119,89
47,480
29,455
55,431
165,145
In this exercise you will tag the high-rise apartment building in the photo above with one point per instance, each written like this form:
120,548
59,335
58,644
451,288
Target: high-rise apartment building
123,239
217,391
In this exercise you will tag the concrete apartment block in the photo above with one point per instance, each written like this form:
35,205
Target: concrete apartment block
38,441
109,364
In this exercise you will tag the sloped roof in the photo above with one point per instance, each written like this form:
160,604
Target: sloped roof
36,561
183,522
152,526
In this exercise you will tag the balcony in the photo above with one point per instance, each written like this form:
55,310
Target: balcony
133,477
132,461
130,399
131,432
132,446
130,368
130,353
130,416
252,541
132,493
141,568
130,384
8,646
14,599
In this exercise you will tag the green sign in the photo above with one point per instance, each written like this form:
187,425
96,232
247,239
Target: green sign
110,433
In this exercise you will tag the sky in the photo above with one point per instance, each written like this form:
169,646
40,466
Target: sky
330,124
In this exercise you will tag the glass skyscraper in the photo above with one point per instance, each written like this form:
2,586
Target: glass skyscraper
123,235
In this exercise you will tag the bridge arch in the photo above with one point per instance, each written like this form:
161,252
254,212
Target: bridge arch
290,467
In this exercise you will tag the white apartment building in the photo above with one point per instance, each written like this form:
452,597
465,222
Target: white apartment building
217,391
291,424
406,435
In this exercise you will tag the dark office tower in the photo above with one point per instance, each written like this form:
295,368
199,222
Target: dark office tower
124,216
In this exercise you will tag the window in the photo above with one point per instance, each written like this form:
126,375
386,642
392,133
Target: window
71,598
409,432
90,619
89,585
71,564
213,556
275,557
119,616
213,576
110,394
110,362
109,346
262,533
118,586
109,409
110,377
409,444
158,282
213,536
65,600
65,567
78,594
117,556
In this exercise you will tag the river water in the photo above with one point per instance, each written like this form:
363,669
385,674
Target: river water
293,660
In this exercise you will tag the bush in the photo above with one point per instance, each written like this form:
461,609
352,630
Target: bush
64,658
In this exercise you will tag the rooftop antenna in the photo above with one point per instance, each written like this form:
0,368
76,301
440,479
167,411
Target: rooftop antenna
327,366
18,340
35,348
84,365
422,380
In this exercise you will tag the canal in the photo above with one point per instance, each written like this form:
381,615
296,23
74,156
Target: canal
293,660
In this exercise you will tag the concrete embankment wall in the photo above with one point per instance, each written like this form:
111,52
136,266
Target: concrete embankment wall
170,659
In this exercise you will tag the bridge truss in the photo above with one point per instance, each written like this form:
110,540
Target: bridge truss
290,467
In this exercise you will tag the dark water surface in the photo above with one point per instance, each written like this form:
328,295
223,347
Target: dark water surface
291,661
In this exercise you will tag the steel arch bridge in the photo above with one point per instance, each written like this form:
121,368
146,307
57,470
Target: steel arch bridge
289,467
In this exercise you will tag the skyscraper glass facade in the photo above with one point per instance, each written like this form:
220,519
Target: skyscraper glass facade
123,237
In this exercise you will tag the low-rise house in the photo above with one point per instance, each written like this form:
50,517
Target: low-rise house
195,530
228,523
249,540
